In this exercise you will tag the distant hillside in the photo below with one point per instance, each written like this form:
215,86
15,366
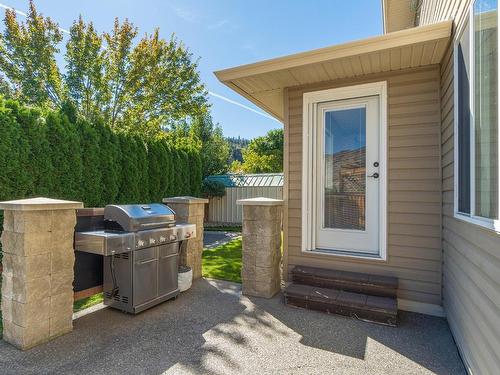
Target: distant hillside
236,144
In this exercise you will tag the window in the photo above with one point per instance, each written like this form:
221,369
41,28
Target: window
476,116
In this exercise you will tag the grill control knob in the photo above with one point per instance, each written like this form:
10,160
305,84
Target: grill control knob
187,235
152,241
140,243
162,239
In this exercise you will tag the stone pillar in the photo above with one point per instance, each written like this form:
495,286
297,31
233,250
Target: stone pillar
190,210
260,272
37,277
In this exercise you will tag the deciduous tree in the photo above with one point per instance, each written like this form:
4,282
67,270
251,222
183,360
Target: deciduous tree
263,154
27,57
84,77
141,86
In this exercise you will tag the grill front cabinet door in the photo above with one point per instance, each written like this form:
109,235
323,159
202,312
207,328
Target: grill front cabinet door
347,196
167,271
145,275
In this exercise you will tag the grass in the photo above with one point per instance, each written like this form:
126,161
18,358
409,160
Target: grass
87,302
223,262
223,229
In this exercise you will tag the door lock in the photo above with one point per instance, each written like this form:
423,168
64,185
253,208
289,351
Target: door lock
375,175
376,164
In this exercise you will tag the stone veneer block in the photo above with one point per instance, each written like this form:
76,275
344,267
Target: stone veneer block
37,280
27,314
8,221
26,244
32,221
33,266
260,272
26,337
62,259
61,282
22,289
60,325
190,210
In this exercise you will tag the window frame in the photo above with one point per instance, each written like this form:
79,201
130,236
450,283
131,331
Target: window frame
491,224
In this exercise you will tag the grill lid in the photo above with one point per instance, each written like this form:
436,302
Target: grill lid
136,217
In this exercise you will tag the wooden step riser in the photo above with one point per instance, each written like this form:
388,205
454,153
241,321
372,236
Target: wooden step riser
332,308
348,286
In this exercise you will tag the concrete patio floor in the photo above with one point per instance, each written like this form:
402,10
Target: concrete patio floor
212,329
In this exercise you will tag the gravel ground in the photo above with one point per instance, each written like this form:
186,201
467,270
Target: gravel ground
212,329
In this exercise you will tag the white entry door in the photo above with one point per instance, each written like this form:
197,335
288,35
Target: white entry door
348,169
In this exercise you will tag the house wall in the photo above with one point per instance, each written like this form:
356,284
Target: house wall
434,11
414,187
471,270
225,210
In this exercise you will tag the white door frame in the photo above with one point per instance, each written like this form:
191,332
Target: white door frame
310,139
356,241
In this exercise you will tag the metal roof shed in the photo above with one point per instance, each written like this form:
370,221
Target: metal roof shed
241,186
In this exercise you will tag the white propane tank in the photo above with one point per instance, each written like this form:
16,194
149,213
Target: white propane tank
185,278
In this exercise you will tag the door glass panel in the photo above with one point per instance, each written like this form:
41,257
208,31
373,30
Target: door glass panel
345,167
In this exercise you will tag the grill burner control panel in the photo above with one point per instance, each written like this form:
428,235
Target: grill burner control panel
109,242
153,237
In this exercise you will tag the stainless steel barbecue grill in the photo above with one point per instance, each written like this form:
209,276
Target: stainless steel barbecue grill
140,245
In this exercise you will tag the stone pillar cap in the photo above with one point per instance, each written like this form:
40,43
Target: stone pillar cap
260,201
185,199
39,204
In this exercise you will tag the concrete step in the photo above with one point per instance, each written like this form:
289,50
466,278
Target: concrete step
376,309
383,286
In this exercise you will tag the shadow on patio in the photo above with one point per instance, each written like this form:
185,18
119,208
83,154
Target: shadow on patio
212,330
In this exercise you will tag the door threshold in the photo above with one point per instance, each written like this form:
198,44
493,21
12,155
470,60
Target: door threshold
347,253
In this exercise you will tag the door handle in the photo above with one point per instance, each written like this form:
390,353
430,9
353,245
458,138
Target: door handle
375,175
147,261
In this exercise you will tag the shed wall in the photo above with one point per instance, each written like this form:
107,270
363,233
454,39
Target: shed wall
225,210
414,186
471,270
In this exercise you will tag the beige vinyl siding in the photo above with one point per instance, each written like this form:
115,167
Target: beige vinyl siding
471,269
398,15
434,11
414,184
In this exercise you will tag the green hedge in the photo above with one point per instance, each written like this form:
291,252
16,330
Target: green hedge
52,154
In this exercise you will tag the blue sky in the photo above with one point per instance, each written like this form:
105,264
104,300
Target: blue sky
225,33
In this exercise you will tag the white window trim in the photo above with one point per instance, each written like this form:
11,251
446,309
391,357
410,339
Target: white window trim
310,103
487,223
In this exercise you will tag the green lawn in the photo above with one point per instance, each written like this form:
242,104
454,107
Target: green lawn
87,302
223,262
223,229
